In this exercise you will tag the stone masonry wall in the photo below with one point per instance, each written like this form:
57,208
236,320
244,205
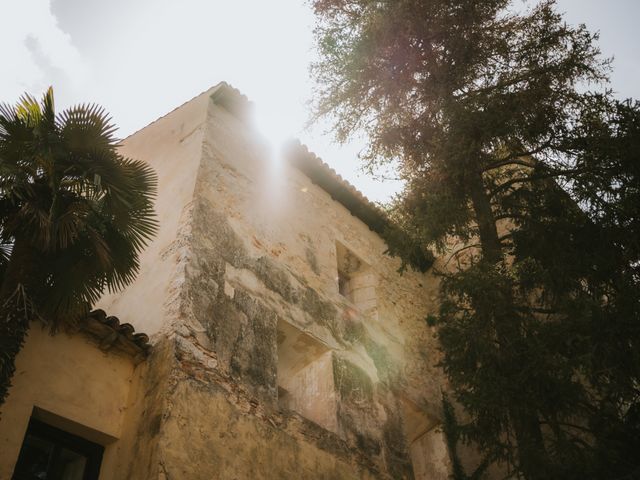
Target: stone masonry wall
256,258
264,250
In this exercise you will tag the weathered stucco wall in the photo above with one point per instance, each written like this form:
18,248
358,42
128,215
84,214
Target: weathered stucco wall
241,291
73,385
137,453
172,145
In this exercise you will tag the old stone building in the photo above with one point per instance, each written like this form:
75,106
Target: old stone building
284,342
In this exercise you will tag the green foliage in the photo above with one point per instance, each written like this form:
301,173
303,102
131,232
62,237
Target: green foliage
453,436
606,145
530,183
74,214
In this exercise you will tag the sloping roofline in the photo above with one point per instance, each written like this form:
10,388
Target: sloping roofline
311,165
299,156
318,172
340,189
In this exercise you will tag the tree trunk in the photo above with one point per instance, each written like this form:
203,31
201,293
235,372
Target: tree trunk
525,422
15,310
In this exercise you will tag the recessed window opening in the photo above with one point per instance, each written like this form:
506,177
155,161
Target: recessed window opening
429,456
356,279
427,446
49,453
349,265
343,284
305,376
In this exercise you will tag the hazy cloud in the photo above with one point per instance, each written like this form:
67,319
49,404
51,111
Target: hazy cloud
40,52
142,58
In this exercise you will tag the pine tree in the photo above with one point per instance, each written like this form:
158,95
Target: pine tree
503,147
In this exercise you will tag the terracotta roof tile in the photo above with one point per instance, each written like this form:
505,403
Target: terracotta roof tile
340,189
111,334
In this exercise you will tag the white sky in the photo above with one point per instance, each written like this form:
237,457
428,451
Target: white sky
142,58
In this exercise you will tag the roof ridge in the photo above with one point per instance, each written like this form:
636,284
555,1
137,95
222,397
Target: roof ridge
215,87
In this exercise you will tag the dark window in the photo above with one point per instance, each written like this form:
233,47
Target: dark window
49,453
356,281
348,266
343,284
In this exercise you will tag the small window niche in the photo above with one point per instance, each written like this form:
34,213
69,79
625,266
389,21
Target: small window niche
305,377
356,279
427,445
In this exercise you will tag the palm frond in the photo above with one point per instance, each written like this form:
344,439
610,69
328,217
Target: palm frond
86,211
28,110
5,255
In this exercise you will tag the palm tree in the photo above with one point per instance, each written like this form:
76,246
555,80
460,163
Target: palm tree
74,216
